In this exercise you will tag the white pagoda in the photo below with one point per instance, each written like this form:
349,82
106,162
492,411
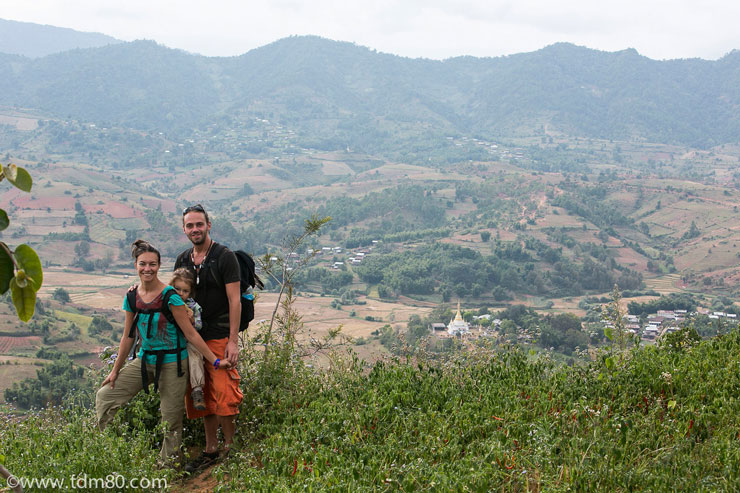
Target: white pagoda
457,325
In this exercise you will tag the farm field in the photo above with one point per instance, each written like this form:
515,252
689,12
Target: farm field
102,207
667,284
13,369
319,316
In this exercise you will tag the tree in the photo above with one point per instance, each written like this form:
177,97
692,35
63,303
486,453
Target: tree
508,327
99,324
82,249
282,271
564,322
693,231
614,315
417,329
485,236
61,295
20,269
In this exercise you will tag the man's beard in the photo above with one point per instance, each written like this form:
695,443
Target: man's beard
198,242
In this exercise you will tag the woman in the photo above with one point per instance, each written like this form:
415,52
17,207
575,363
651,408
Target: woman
163,350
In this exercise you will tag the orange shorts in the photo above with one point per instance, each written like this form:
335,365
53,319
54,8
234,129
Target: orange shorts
221,388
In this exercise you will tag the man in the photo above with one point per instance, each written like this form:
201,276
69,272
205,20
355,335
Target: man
216,272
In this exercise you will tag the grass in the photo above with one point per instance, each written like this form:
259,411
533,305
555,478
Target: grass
61,443
82,321
662,420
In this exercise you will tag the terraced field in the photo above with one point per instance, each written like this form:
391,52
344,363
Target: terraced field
670,283
7,343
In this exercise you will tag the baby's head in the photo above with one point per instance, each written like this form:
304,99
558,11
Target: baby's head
183,282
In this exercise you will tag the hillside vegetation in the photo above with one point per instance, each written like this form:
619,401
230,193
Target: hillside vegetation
337,94
34,40
656,418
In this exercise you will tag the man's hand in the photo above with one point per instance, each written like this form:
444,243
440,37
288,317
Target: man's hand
232,352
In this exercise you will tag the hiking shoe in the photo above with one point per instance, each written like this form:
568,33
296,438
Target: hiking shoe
199,402
204,460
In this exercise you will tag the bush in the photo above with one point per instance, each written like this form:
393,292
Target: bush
527,420
61,295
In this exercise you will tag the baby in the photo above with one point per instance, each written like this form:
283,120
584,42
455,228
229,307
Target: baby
184,284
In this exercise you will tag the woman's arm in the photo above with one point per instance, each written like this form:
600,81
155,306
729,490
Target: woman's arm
183,321
124,347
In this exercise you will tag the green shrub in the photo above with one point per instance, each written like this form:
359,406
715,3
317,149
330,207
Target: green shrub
496,419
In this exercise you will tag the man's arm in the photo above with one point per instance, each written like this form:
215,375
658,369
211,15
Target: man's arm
235,315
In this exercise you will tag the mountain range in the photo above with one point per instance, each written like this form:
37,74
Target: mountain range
348,95
35,40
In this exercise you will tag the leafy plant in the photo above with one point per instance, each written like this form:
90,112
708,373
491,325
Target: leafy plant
282,270
20,269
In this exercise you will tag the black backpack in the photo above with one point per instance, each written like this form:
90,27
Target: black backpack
159,353
248,281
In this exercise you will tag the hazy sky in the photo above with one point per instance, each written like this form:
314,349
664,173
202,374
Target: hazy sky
658,29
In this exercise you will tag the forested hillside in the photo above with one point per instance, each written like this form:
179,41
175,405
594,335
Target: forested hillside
34,40
338,94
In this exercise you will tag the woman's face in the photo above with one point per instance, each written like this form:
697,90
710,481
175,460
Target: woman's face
182,288
147,266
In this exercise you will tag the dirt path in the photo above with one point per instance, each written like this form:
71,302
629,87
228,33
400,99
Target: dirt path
203,482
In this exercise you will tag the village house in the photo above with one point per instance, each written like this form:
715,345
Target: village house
437,327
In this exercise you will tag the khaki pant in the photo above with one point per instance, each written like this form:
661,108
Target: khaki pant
171,399
195,362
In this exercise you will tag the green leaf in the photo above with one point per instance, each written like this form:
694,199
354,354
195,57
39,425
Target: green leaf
18,176
30,262
4,220
24,300
671,404
609,333
610,363
6,269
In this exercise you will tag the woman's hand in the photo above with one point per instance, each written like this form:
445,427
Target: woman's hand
111,379
224,364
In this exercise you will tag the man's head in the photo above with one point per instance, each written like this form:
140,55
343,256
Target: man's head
195,224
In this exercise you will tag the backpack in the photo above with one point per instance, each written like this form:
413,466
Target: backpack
248,280
159,353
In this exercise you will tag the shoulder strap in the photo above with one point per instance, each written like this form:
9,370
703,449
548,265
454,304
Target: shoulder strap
182,259
166,307
164,310
131,298
216,252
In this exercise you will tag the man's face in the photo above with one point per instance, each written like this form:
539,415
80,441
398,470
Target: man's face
195,227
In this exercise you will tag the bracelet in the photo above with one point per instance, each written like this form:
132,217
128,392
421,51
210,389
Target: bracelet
216,363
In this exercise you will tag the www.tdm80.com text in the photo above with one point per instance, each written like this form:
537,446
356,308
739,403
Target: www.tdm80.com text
114,481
